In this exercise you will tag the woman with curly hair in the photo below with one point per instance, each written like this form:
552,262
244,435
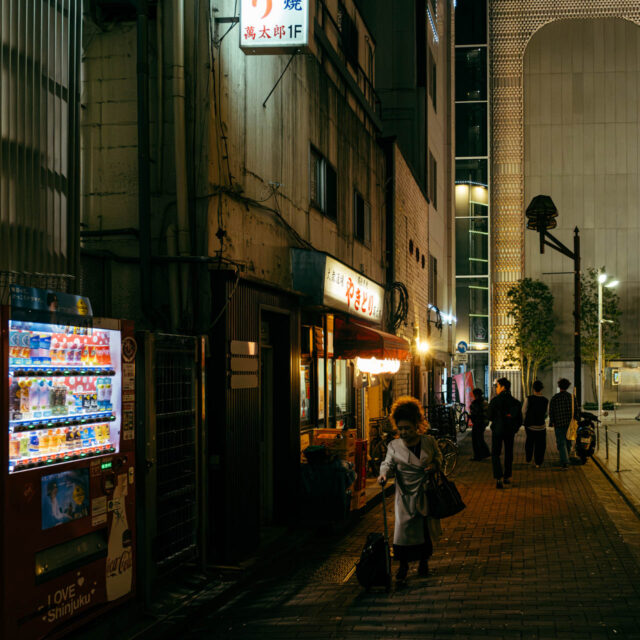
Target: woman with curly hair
413,456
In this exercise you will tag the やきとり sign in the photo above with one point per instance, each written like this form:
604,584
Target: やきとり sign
350,291
269,26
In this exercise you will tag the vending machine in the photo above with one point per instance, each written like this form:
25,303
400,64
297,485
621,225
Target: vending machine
67,453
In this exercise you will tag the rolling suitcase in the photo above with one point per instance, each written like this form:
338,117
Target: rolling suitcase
374,567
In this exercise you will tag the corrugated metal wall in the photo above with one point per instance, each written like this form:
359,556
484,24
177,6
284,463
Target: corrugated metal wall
39,67
235,421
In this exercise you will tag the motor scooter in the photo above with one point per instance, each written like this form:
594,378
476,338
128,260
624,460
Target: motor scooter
586,436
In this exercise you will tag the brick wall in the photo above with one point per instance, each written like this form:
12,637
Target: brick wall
411,258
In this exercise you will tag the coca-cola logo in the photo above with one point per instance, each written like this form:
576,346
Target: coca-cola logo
118,566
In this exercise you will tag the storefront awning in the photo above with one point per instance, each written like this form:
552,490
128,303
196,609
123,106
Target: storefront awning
352,339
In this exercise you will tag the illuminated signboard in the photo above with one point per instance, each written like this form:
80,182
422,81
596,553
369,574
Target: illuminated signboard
350,291
273,26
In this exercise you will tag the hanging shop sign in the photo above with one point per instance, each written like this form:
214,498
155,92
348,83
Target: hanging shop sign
274,26
331,283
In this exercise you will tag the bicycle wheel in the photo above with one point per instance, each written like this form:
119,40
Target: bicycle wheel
449,450
463,422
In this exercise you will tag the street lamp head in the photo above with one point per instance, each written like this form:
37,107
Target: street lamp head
541,214
613,283
602,278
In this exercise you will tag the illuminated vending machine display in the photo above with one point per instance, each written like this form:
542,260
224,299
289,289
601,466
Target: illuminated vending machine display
68,481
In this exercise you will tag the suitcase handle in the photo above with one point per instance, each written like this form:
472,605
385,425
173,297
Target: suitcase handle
384,516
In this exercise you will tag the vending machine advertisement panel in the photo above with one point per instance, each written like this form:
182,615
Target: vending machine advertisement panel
68,481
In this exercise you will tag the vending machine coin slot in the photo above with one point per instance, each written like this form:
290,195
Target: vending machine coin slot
109,483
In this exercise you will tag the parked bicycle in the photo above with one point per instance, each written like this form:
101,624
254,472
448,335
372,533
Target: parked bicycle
449,450
443,428
461,416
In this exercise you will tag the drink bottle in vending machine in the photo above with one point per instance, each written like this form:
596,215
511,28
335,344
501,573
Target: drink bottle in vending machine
69,457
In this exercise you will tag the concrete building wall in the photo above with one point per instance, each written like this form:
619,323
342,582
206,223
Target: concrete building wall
266,207
439,145
512,23
581,122
109,156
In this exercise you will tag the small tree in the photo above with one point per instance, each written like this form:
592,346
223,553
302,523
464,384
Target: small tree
530,344
611,330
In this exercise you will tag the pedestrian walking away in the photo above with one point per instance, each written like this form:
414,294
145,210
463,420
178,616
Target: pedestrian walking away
505,414
534,411
412,457
560,415
478,413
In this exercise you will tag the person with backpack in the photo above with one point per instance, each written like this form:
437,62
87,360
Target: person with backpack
478,412
505,414
535,413
561,411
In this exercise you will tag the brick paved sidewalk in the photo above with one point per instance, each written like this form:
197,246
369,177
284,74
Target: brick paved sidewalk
542,559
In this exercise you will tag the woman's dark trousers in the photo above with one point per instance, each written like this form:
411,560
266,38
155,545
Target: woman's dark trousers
480,448
535,445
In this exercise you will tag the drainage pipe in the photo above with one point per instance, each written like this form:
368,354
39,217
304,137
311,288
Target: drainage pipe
180,144
144,183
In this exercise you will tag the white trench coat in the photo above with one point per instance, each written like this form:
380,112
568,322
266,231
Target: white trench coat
411,479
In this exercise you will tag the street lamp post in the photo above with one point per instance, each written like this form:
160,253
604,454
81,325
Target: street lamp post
602,282
541,214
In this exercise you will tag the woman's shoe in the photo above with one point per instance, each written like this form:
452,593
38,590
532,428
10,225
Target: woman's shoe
499,485
423,568
401,574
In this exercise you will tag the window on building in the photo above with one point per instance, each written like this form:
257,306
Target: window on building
348,36
323,185
433,181
471,22
338,385
361,219
471,129
433,78
471,73
475,170
433,280
472,306
421,43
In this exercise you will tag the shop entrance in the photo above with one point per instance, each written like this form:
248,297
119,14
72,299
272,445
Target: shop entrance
275,415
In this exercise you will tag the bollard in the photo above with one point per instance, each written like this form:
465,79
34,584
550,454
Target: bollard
618,454
606,441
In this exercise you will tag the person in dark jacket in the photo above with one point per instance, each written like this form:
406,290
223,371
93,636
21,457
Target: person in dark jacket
534,411
560,414
505,414
478,414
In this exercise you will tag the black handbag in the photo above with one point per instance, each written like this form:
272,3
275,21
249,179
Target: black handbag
443,498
